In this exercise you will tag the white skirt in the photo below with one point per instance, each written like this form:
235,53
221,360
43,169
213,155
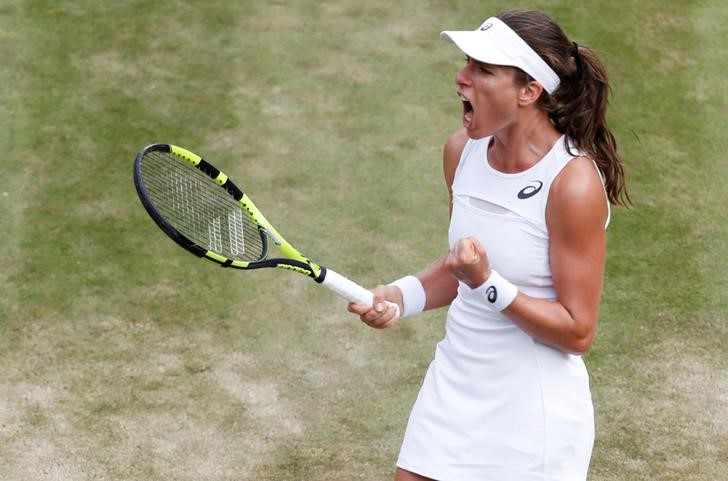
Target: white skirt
496,405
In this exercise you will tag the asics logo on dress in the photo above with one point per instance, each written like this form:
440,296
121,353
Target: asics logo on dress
530,190
492,294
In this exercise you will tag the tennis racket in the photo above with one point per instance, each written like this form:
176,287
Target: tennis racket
202,210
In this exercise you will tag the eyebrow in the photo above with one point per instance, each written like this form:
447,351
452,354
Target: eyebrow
483,64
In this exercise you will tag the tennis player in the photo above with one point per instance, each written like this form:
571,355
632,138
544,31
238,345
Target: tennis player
531,177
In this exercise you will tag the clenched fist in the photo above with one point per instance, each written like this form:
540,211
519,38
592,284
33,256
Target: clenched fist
468,262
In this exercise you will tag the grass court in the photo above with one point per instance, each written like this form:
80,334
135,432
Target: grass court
124,358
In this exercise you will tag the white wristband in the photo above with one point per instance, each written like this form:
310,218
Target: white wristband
497,291
413,295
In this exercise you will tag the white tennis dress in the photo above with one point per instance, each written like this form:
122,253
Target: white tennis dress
495,404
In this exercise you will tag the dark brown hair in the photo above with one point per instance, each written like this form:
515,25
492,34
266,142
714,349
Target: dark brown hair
578,107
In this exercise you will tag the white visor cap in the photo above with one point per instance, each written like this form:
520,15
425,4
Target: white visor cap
495,43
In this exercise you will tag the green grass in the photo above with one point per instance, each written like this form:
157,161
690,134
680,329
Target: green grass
122,357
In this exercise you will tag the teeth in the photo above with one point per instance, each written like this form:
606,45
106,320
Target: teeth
463,99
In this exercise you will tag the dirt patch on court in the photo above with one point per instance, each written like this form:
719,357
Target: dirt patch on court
665,418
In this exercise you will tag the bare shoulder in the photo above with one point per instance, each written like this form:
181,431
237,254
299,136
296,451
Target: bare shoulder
451,155
577,196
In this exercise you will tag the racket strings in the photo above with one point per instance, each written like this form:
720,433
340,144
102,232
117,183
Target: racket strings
199,209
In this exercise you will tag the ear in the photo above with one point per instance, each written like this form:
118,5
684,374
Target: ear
529,93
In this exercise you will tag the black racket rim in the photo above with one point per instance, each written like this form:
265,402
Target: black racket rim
174,234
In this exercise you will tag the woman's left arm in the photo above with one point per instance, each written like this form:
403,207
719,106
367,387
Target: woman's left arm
576,216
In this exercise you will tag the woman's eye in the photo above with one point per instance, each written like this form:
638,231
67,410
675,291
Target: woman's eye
483,68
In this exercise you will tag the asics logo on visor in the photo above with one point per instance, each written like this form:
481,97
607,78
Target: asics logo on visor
485,26
530,190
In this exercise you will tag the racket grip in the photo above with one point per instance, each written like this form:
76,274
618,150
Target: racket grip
349,290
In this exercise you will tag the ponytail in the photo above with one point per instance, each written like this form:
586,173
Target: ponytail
578,107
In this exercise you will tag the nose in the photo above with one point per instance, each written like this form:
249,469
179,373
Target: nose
461,78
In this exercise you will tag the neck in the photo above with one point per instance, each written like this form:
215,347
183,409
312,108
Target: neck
520,146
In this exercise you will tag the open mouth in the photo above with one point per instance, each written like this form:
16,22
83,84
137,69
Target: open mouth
467,111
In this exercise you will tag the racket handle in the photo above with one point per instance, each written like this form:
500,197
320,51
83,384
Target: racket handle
349,290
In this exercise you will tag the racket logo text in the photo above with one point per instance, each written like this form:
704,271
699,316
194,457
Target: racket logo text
214,235
237,235
300,270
